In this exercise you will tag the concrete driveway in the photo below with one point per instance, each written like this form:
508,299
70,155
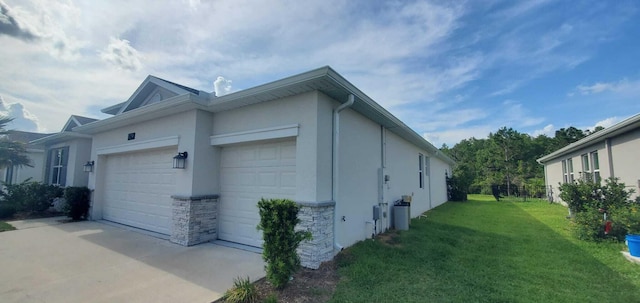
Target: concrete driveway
97,262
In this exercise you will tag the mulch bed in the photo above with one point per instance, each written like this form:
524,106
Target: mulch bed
307,286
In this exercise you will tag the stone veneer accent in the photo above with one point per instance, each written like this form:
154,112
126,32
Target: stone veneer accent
194,219
318,219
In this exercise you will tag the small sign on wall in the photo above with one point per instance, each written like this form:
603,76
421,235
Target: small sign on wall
131,136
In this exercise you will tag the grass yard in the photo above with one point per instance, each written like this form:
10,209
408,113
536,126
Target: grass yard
487,251
4,226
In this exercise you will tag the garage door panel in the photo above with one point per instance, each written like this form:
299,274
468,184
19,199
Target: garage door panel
268,152
138,188
288,181
249,173
288,154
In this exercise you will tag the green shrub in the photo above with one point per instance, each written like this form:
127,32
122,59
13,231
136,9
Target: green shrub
536,187
243,291
6,211
589,200
589,224
630,219
455,189
278,219
580,194
28,196
76,202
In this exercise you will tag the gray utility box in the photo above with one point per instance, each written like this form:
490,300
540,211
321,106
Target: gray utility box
401,215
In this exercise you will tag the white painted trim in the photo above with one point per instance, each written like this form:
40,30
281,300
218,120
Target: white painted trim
284,131
148,144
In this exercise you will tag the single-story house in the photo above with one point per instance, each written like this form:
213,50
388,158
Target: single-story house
611,152
17,174
191,166
65,154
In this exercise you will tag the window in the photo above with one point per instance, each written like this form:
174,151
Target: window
586,172
57,166
565,176
595,163
585,163
427,167
8,177
570,166
421,170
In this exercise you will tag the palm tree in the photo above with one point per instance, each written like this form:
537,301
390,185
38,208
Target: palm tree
12,153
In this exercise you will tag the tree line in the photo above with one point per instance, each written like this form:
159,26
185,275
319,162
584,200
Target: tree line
507,158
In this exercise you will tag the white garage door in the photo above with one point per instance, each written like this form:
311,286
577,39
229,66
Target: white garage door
248,173
138,189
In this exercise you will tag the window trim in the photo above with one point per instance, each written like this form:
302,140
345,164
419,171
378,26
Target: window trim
421,170
57,164
571,170
595,171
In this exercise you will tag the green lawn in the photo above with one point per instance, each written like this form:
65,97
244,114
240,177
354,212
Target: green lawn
488,251
4,226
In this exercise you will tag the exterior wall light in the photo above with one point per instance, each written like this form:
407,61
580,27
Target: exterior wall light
89,166
180,160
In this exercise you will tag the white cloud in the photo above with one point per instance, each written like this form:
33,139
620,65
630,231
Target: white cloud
221,86
624,88
453,136
11,27
549,130
438,120
22,118
595,88
51,22
515,114
605,123
120,53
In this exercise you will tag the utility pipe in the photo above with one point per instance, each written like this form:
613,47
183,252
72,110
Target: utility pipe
334,170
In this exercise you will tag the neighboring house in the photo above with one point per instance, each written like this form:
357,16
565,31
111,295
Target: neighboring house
19,174
612,152
313,138
65,154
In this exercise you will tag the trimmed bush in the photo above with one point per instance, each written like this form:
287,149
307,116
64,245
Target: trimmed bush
455,189
6,211
77,202
278,219
28,196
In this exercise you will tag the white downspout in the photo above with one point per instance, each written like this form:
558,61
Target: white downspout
334,170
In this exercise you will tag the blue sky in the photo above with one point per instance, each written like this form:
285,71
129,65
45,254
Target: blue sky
449,69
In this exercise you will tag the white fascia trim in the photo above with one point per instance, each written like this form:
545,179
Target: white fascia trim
284,131
59,137
142,145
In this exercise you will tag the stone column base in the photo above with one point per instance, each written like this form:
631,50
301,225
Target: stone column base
318,219
194,219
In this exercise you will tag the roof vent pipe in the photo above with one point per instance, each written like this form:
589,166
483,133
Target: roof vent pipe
335,158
